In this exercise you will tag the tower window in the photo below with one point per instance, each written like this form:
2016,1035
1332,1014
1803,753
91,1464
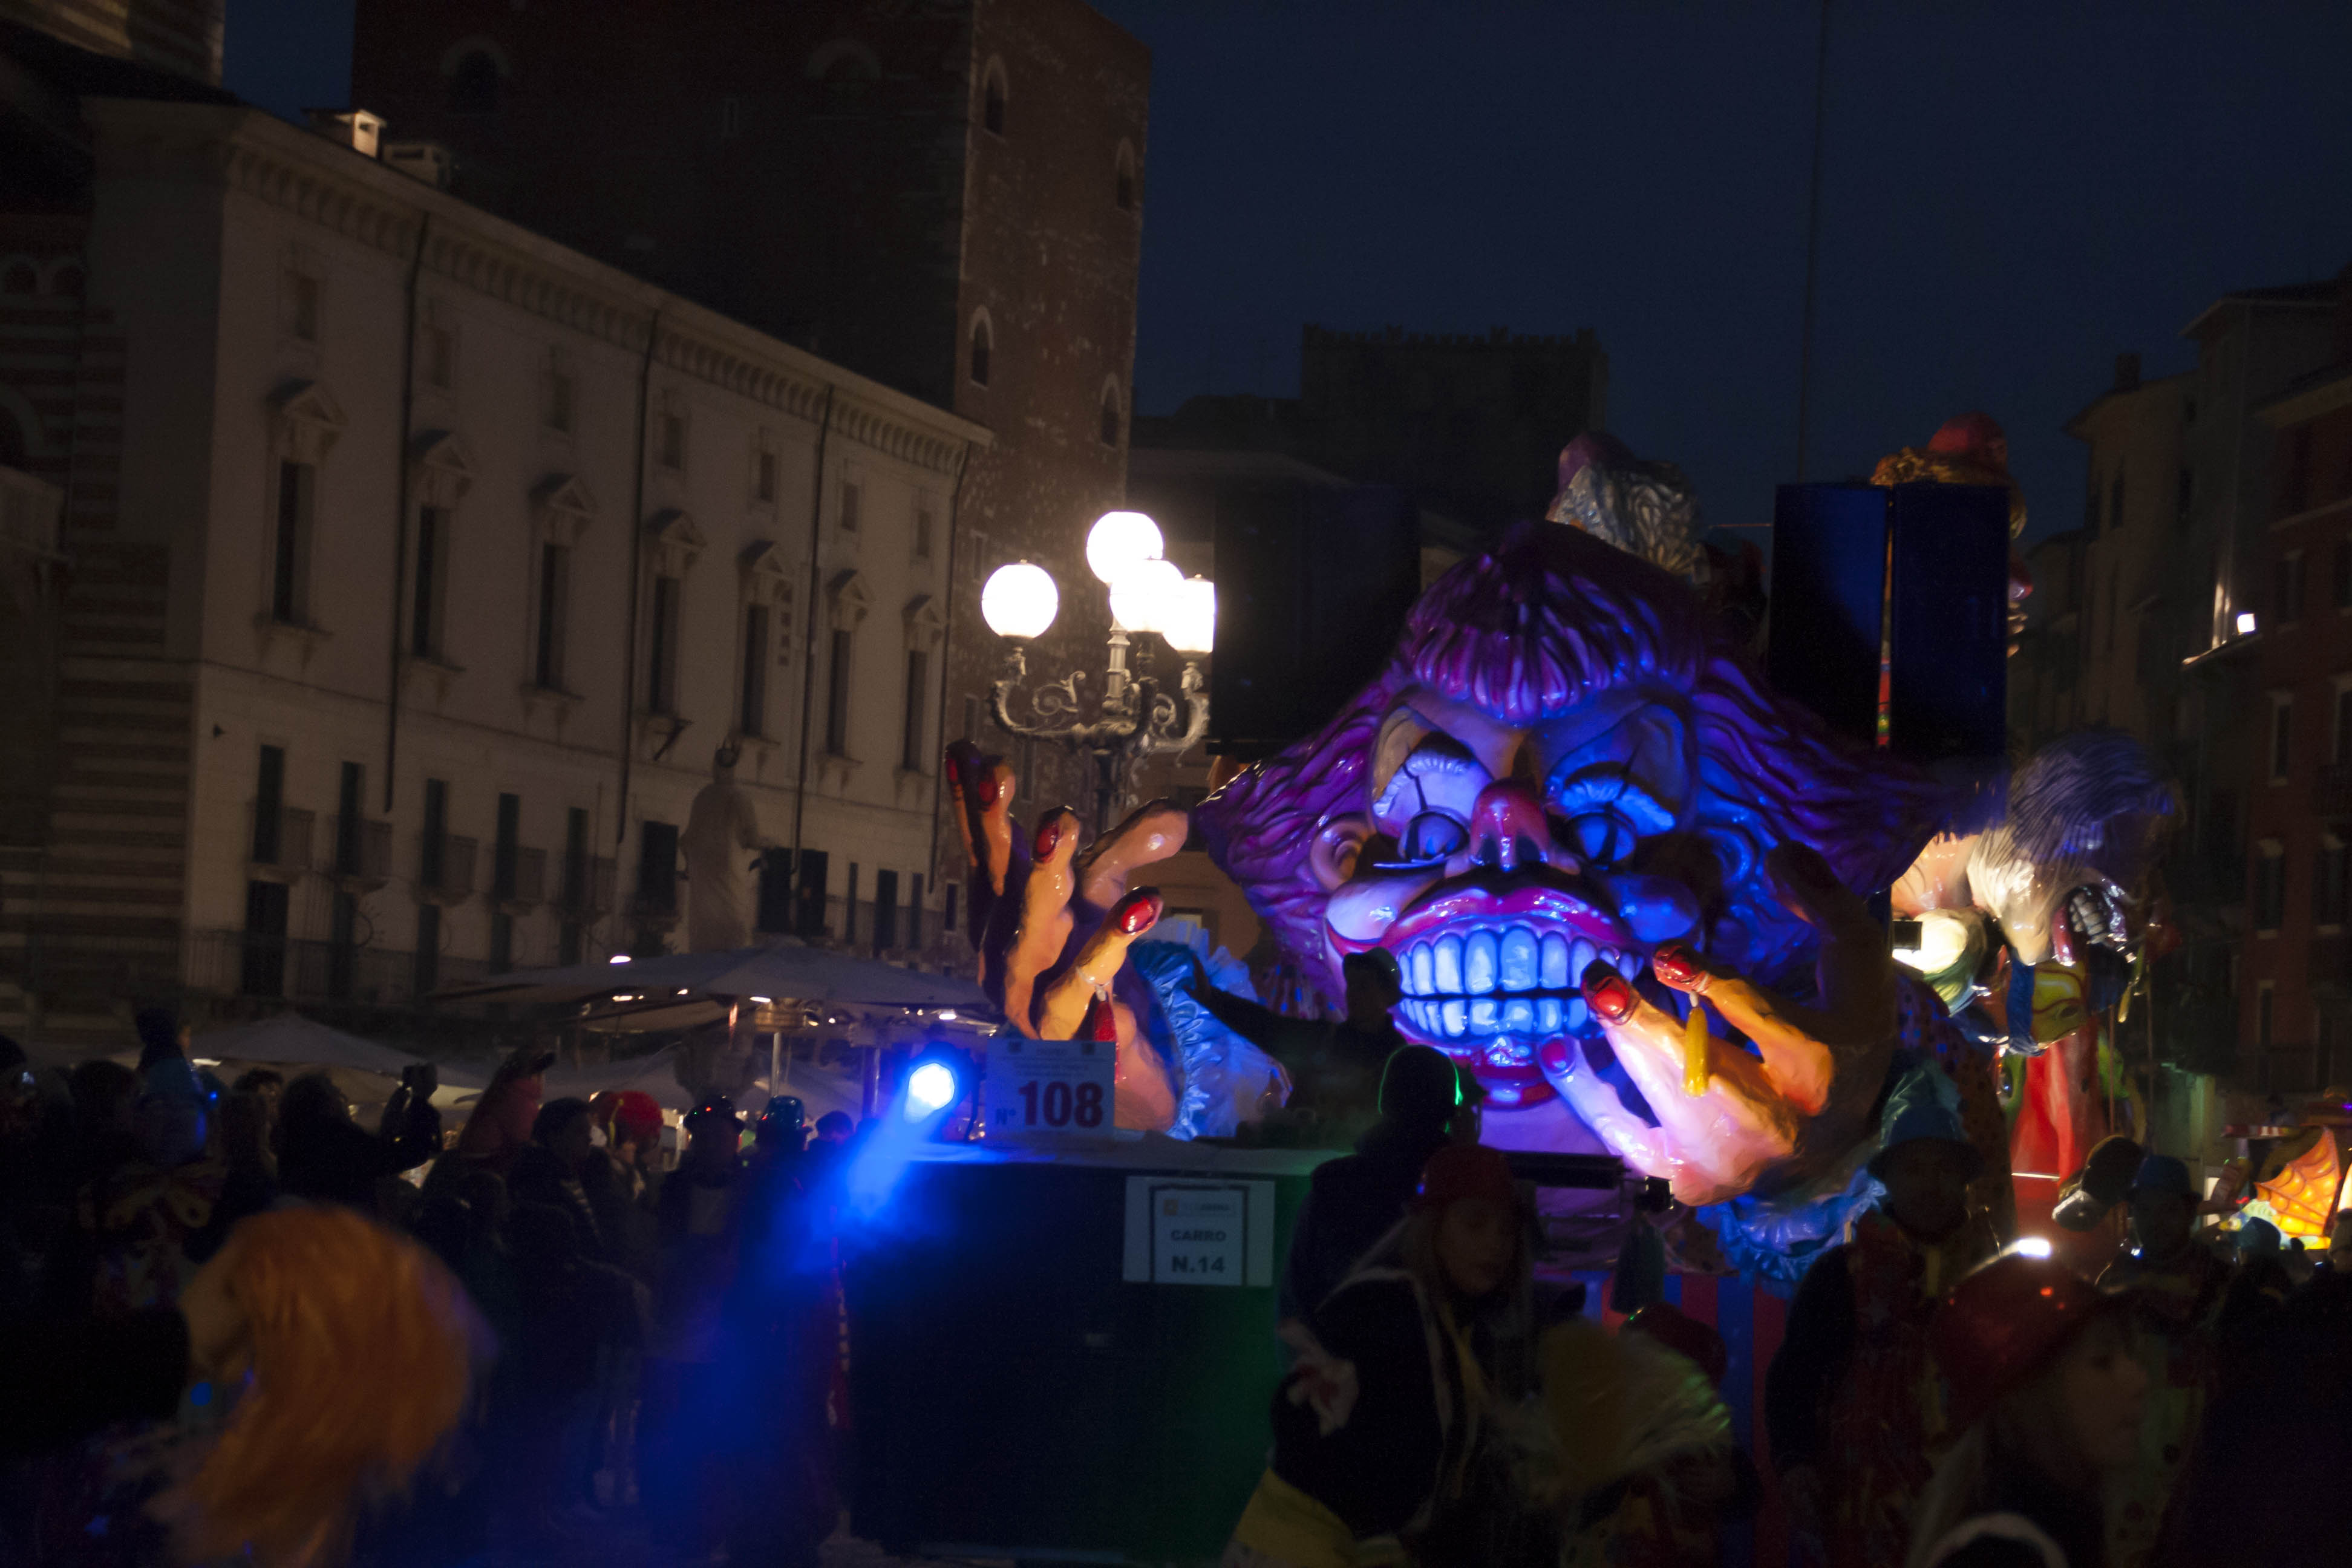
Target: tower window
1110,416
982,349
1123,186
992,101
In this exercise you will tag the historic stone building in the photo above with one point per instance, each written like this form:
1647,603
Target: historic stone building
182,36
946,196
448,557
2161,614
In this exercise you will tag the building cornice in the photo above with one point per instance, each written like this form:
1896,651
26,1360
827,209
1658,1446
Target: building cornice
2323,396
338,188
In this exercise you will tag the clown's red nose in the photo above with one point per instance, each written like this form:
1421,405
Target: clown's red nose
1508,831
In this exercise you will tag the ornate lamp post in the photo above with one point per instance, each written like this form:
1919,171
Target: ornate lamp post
1135,718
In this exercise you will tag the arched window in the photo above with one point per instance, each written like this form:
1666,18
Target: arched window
13,444
983,345
1124,188
20,279
992,99
1110,413
475,83
66,281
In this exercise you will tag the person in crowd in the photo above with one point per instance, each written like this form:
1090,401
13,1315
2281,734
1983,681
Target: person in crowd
1851,1400
1335,1066
2046,1400
574,1313
249,1184
1639,1464
267,1082
2338,1261
104,1092
690,1413
551,1168
2182,1307
2271,1453
499,1128
136,1222
324,1156
625,1197
834,1127
1353,1201
1400,1372
783,1328
162,1037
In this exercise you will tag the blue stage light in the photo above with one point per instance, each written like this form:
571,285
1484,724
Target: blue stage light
932,1088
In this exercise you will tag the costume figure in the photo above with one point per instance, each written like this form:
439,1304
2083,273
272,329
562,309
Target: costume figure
1852,1400
2179,1288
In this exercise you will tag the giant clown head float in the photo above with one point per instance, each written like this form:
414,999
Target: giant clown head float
1567,764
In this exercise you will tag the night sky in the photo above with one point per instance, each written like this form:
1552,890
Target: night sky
2013,194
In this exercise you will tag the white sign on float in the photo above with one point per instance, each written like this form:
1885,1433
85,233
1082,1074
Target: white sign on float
1199,1233
1049,1087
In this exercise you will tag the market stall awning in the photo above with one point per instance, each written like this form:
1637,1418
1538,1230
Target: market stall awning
289,1039
682,989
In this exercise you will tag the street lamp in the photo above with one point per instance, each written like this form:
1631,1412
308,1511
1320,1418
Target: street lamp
1135,719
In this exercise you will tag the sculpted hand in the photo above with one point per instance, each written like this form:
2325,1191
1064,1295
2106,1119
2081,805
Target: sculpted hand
1053,923
1715,1143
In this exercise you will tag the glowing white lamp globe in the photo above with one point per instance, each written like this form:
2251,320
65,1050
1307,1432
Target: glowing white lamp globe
1019,601
1192,626
1143,596
1118,541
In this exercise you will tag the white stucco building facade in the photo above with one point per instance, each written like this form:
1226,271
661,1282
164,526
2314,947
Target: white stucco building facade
469,552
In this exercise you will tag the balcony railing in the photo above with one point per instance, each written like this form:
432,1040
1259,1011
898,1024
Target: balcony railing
520,885
588,887
279,842
302,969
445,871
362,854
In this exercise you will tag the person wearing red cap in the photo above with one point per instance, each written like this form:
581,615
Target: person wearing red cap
1381,1425
2047,1399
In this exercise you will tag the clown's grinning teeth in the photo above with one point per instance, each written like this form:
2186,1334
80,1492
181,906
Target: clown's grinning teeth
1512,980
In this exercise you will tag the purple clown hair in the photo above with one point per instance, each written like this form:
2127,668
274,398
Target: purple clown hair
1547,620
2065,802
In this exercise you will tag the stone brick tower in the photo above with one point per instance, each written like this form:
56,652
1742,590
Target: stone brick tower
943,194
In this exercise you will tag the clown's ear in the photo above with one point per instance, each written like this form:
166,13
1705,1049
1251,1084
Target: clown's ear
1331,853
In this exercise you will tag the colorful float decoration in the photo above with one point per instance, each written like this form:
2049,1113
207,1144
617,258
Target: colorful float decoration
1622,881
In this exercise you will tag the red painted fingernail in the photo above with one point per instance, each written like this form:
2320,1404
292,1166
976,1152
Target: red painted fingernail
1138,912
1676,964
1049,834
1606,992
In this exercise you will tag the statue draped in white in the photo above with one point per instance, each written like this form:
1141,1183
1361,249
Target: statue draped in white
722,838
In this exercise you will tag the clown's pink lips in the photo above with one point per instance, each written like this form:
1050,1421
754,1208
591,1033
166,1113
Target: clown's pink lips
1500,959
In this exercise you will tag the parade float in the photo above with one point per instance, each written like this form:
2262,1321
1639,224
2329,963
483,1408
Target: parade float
1636,878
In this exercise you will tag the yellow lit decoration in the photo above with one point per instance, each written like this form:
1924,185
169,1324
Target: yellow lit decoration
1694,1050
2303,1194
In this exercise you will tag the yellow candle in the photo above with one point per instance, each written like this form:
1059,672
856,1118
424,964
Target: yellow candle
1694,1050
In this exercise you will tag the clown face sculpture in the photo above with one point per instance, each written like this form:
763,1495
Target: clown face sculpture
1574,815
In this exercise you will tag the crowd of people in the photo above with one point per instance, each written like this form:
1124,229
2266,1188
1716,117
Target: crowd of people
668,1342
1945,1397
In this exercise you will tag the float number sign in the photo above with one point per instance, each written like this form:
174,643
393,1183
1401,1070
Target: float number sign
1199,1235
1049,1086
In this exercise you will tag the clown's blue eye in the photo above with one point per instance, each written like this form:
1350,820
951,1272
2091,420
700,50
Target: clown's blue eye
1600,839
1432,835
